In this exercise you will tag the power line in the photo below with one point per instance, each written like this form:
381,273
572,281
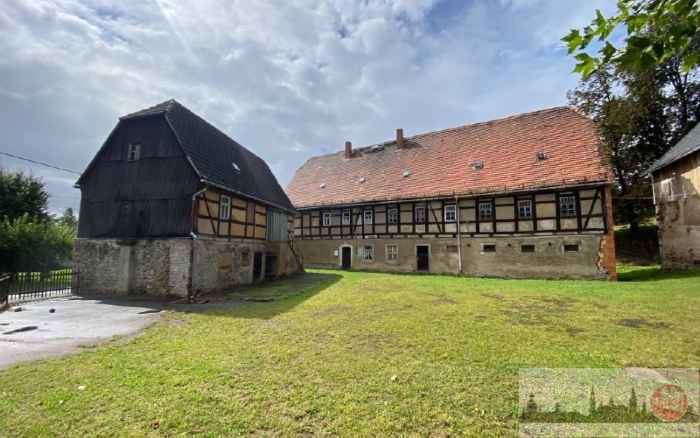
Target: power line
41,163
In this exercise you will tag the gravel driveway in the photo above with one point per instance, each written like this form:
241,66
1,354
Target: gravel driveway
36,332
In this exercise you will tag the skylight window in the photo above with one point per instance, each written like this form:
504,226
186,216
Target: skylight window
406,173
362,180
478,165
323,185
235,167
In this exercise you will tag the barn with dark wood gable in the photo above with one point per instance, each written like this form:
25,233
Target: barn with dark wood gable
170,205
523,196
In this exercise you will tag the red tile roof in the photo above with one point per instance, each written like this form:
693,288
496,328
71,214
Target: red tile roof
440,162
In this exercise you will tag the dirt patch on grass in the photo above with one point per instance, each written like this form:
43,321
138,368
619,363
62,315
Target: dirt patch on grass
337,309
535,310
573,331
498,297
638,323
374,342
442,299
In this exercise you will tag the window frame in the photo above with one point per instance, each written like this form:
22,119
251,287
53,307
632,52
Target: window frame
392,216
326,215
347,214
571,247
529,246
364,253
393,255
490,246
572,208
225,213
365,216
452,208
488,204
424,212
133,152
528,208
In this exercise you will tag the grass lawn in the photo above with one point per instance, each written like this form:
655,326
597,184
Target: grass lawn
352,353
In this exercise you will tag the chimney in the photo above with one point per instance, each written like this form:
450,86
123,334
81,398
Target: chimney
348,149
400,141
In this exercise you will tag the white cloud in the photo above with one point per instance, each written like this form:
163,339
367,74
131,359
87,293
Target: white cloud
287,79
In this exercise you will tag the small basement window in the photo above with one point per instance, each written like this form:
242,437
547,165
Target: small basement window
571,247
450,213
527,248
225,208
488,247
133,152
452,249
326,219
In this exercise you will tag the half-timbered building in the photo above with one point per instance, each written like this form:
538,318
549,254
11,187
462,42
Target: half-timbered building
523,196
170,205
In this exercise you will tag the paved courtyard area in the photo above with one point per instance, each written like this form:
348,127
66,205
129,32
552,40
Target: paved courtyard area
37,332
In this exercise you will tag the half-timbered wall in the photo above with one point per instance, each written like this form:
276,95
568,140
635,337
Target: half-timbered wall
428,218
247,219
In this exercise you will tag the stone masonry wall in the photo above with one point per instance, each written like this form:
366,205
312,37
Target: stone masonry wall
549,260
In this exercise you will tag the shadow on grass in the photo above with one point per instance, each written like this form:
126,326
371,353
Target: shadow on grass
263,300
652,273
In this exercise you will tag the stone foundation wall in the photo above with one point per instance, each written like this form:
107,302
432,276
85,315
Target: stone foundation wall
171,267
550,260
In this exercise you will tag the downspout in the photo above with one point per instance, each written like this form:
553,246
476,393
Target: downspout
194,237
459,234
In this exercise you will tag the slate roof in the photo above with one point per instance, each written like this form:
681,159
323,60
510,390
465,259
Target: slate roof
440,163
687,145
212,154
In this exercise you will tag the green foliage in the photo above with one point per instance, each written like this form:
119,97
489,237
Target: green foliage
658,31
640,114
21,194
69,220
27,245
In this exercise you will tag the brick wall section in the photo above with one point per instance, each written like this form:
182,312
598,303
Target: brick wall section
608,257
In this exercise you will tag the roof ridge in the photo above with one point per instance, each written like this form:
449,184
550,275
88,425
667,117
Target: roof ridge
468,125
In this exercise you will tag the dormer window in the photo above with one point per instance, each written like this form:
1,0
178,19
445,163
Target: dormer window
478,165
133,152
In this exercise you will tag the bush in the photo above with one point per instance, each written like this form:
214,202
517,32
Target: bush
27,245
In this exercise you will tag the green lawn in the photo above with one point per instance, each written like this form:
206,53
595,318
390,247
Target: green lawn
347,353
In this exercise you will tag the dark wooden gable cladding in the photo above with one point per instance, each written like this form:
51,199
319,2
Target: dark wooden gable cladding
148,197
545,217
247,218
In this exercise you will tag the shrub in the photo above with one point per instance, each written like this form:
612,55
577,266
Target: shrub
28,245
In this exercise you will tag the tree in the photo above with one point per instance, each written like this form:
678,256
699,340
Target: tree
21,194
633,401
27,245
68,219
640,114
657,32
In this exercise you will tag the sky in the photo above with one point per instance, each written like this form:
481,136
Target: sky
289,79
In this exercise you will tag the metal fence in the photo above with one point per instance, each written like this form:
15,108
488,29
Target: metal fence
20,287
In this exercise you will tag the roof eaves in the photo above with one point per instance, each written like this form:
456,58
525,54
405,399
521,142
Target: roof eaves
264,201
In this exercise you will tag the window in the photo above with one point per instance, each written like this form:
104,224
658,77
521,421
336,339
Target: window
392,253
368,217
488,247
367,253
567,205
450,213
393,216
527,248
485,210
452,249
672,188
133,152
225,208
525,208
346,217
420,214
570,247
326,219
